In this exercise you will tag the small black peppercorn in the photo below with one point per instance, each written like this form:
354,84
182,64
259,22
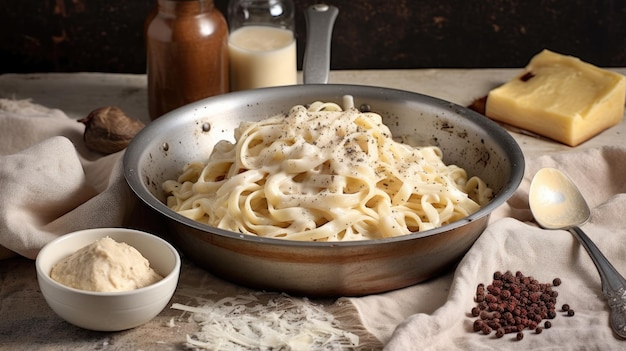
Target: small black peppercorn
565,307
570,313
519,336
547,325
556,281
538,330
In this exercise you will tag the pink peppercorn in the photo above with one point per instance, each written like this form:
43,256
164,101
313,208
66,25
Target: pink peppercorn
512,303
500,332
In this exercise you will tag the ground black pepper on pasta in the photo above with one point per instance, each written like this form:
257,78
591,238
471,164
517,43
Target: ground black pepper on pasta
513,303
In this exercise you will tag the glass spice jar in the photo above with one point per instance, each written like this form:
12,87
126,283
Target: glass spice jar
262,44
186,54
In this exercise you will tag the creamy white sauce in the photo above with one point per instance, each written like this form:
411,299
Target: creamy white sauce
105,266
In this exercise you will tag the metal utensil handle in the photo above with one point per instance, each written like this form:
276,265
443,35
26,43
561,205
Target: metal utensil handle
320,20
612,281
613,284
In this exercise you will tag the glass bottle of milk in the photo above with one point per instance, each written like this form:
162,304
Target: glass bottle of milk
261,43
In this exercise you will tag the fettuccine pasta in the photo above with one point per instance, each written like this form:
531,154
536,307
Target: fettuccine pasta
324,173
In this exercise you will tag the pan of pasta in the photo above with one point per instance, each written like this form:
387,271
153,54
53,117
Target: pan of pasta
324,189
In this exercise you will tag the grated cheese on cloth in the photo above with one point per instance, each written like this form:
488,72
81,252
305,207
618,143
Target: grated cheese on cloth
283,323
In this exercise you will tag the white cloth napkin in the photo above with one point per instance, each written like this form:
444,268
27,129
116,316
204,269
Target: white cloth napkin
429,317
51,184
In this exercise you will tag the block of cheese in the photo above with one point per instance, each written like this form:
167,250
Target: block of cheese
560,97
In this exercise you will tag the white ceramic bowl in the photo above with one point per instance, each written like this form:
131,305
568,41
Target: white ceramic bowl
109,311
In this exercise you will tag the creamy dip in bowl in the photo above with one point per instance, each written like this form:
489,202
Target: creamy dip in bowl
106,266
109,310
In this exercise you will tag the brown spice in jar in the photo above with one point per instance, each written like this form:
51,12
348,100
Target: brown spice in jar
186,54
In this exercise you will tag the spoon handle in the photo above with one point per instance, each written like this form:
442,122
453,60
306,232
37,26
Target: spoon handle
613,284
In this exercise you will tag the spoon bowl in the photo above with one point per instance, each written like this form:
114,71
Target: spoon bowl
556,203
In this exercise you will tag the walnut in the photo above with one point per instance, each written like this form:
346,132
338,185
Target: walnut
109,129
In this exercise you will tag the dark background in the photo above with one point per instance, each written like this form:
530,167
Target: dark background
107,36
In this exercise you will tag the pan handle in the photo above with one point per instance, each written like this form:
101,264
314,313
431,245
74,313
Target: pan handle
320,20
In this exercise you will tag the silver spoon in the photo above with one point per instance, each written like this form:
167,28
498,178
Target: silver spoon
556,203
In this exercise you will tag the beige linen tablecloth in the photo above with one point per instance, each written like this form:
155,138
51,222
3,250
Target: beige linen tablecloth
52,185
